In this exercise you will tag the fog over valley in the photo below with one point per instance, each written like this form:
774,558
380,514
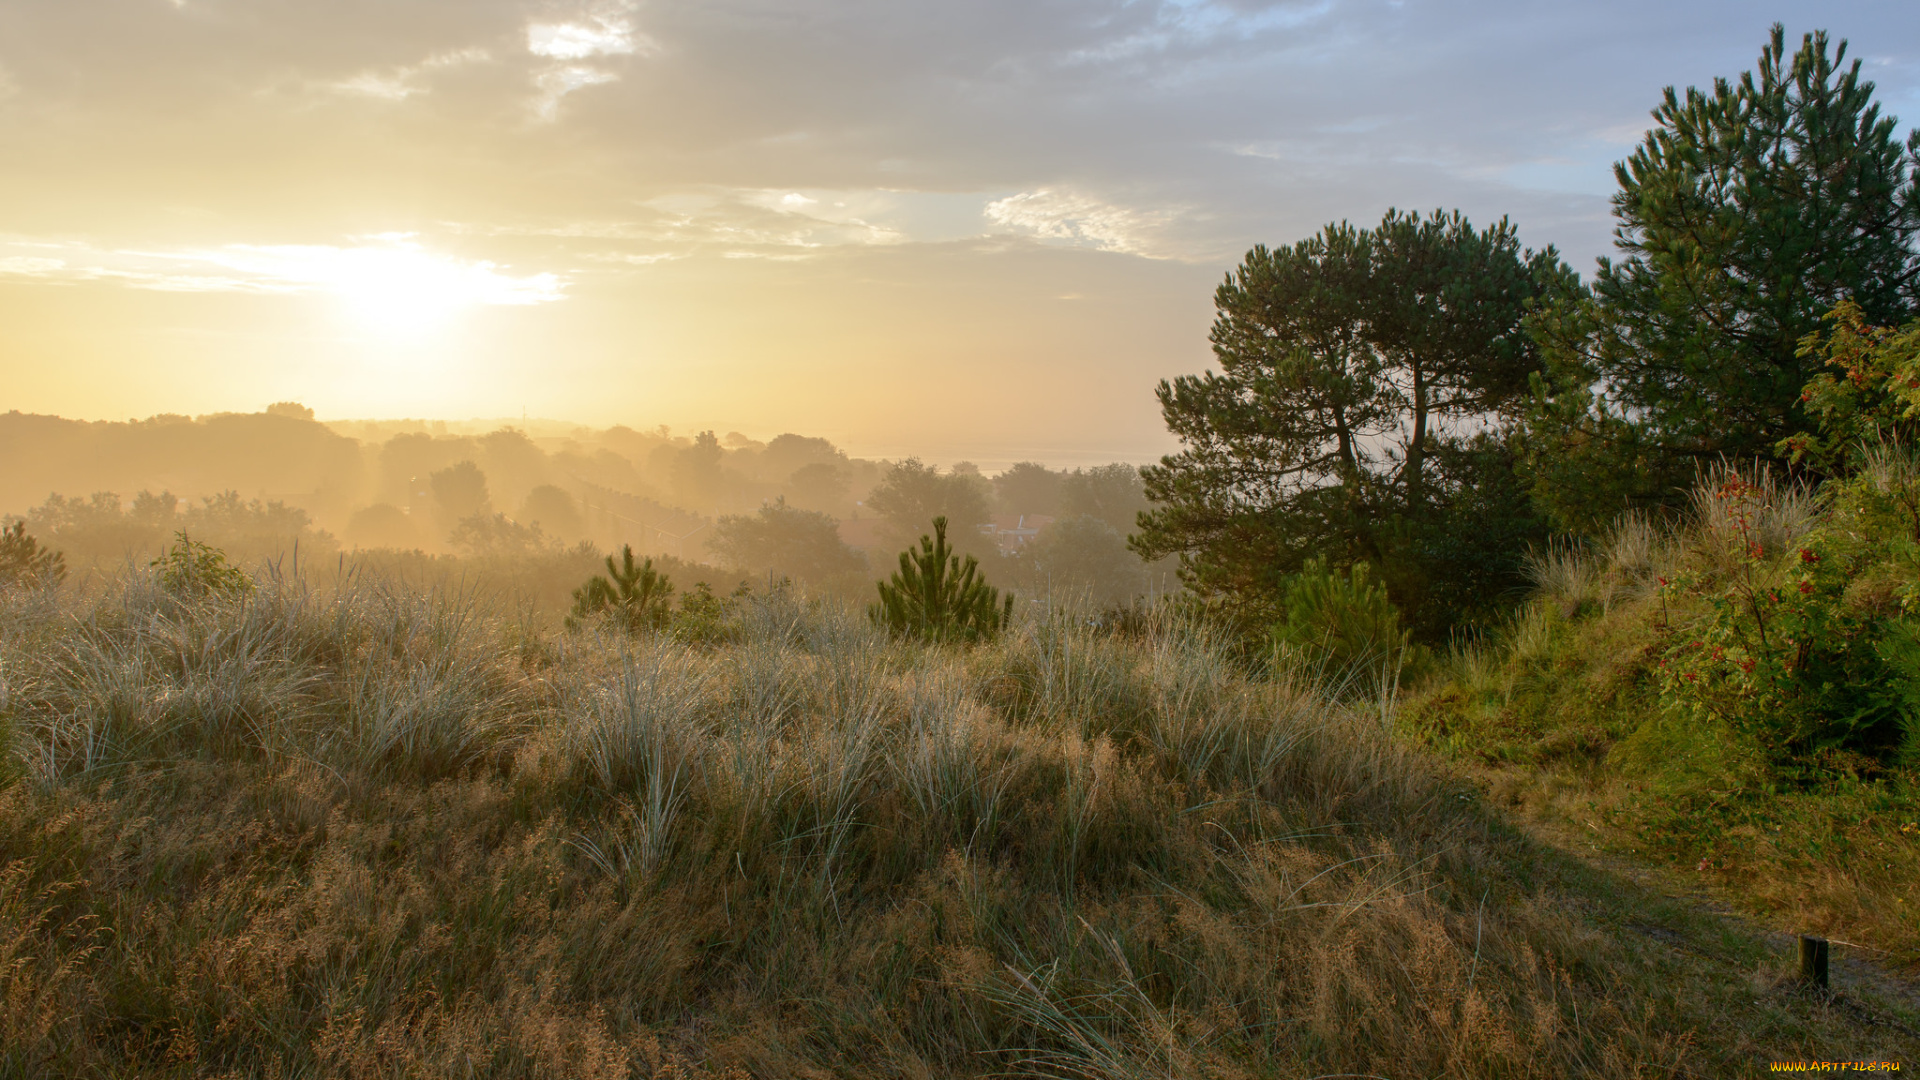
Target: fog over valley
441,498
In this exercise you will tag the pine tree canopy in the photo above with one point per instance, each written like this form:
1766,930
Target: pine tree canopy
1348,363
1747,214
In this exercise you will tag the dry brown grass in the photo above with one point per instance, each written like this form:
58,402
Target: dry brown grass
378,833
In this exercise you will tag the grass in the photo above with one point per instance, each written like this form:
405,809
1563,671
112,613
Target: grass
371,831
1560,718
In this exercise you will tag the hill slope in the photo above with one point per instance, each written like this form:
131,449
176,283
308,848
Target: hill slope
276,832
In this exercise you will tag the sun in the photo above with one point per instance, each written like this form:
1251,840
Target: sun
406,292
397,287
390,285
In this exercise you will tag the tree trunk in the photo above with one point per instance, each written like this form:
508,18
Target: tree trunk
1417,445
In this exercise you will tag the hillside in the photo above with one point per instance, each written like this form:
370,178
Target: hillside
272,830
1729,693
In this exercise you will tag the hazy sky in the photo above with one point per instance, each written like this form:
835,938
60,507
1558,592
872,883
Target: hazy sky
966,228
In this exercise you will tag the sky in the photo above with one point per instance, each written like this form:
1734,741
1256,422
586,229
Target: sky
965,228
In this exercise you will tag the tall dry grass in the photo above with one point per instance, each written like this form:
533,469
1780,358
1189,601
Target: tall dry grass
374,832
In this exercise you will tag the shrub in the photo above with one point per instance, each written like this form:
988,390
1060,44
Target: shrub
707,618
787,541
98,532
193,569
912,492
1341,623
1085,555
632,597
1803,645
24,562
1875,393
936,597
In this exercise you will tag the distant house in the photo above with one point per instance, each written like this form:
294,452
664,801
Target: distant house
1012,533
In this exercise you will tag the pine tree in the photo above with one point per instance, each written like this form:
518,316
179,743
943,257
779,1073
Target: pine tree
1351,364
1745,216
634,597
937,597
1342,623
23,561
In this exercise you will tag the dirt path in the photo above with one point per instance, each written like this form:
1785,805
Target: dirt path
1877,1005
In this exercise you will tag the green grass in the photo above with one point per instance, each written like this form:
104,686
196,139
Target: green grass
368,831
1561,716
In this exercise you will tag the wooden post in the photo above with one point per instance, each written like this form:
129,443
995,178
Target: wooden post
1813,961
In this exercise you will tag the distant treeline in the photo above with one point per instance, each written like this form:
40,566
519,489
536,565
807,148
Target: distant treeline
259,485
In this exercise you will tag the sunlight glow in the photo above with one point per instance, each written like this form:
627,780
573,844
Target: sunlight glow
392,284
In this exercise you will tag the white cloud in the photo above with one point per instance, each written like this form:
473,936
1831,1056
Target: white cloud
747,223
1630,133
456,57
647,259
595,36
394,260
30,266
606,30
1080,221
1188,24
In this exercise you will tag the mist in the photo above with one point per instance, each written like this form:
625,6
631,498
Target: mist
533,507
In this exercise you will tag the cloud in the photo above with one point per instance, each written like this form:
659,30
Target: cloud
739,223
593,36
1178,25
31,266
1172,128
556,83
401,83
635,259
1082,221
607,31
391,86
394,264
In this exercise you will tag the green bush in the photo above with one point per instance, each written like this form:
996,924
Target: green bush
1341,624
936,597
707,618
1872,391
1807,650
633,597
193,569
